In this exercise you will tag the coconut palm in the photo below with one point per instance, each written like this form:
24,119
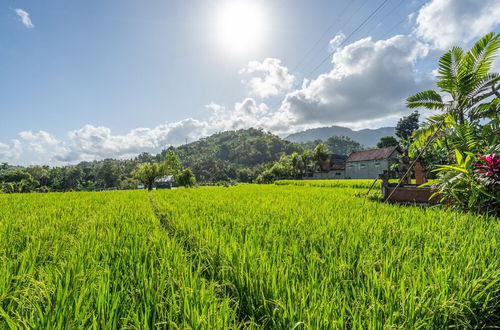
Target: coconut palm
467,85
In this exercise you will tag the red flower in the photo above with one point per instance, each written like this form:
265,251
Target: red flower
489,167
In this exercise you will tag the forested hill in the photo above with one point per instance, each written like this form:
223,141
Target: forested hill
233,155
367,137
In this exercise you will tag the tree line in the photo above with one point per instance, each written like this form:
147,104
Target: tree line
222,158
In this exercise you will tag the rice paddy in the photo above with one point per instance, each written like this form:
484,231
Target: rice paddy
249,256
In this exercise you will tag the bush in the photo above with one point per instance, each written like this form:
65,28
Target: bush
186,178
472,184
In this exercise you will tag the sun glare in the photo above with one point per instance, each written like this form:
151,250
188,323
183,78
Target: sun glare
240,26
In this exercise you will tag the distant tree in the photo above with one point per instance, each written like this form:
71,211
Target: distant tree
146,174
145,157
387,141
266,176
284,168
172,163
40,174
72,176
109,173
17,181
407,125
186,178
16,187
321,154
16,176
128,183
245,175
306,163
342,145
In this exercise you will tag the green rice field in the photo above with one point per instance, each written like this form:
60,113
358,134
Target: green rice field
283,256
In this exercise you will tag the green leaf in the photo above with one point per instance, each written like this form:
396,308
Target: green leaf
429,99
468,161
450,167
458,156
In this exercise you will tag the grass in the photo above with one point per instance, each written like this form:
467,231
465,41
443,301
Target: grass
98,260
342,183
273,256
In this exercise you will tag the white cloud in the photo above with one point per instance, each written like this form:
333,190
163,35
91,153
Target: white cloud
369,81
250,108
445,23
495,67
10,152
273,78
38,142
25,18
97,142
247,113
336,42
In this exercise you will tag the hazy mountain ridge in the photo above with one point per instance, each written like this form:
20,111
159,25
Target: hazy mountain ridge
367,137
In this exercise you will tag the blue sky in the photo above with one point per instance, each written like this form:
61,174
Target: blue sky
85,80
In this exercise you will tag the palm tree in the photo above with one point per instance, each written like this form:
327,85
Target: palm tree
468,86
320,155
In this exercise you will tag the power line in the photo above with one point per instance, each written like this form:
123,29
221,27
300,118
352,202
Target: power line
339,30
324,33
322,36
393,27
393,10
349,36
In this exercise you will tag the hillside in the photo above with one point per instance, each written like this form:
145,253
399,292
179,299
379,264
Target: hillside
237,155
367,137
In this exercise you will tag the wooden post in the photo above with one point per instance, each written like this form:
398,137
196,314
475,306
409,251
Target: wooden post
420,176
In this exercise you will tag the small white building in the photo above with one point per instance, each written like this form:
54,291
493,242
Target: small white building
368,164
333,168
164,182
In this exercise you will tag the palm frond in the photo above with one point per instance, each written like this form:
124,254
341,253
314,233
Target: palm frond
466,136
482,54
449,68
484,84
432,126
427,99
487,109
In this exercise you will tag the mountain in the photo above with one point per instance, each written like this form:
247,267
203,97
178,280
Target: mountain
367,137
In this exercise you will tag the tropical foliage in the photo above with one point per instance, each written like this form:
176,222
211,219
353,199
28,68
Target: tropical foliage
407,125
471,186
185,178
294,165
147,173
466,131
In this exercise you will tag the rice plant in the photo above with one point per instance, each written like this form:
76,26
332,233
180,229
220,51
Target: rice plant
249,256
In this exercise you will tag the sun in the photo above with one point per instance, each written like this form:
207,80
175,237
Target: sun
240,26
